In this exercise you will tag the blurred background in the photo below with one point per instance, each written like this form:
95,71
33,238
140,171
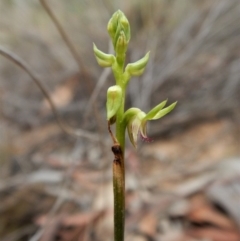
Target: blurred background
183,186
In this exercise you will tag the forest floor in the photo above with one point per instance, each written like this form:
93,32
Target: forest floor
170,186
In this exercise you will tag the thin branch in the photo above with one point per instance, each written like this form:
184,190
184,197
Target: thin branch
82,69
67,129
65,37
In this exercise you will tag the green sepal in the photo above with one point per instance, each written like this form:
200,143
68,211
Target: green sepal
114,100
150,115
126,27
164,111
112,25
130,113
137,68
104,60
133,120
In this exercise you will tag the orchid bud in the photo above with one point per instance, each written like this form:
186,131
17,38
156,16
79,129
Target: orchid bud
121,44
137,68
114,100
104,60
118,26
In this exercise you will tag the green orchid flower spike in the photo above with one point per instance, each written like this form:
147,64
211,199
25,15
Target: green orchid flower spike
134,119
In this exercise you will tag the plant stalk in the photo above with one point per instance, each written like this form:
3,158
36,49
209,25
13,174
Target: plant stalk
119,193
119,168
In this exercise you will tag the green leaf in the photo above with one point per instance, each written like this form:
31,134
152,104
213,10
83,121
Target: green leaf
164,111
150,115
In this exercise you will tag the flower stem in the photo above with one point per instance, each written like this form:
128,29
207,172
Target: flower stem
118,165
119,193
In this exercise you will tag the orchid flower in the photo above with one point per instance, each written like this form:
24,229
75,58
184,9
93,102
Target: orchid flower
136,120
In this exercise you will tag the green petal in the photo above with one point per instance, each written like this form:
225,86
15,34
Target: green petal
164,111
151,114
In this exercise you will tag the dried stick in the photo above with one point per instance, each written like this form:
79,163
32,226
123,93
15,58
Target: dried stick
78,60
67,129
65,37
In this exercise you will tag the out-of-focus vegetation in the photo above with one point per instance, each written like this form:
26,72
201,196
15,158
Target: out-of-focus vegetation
195,59
194,53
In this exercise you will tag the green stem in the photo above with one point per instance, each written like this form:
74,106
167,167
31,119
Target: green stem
119,195
118,165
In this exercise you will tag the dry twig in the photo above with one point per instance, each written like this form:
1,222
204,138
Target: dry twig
68,130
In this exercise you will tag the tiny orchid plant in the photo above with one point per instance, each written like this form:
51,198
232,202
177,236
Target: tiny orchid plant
133,119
